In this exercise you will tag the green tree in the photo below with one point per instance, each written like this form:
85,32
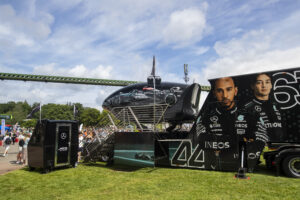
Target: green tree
18,110
26,107
56,112
28,123
6,107
104,119
90,117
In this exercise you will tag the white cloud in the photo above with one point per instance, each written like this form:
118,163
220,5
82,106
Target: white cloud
185,27
16,31
88,95
253,52
105,39
102,72
200,50
64,5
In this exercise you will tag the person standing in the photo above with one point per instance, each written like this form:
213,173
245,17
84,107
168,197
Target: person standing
21,144
80,146
24,149
14,136
7,141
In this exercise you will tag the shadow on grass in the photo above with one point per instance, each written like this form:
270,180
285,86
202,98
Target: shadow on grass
263,170
42,171
260,169
36,171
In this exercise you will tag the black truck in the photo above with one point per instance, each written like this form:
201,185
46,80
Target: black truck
241,117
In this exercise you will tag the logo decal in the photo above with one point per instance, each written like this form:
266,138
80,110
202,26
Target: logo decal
257,108
241,117
214,119
63,135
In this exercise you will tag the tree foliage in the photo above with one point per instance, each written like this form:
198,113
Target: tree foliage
87,116
57,112
28,123
90,117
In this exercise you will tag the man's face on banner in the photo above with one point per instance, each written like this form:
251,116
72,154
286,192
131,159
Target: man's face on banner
225,91
262,87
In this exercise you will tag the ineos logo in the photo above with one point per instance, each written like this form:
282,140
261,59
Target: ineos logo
63,135
214,119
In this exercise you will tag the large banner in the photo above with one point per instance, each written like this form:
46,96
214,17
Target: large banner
241,112
240,116
264,106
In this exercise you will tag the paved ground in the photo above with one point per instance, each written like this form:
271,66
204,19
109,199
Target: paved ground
8,163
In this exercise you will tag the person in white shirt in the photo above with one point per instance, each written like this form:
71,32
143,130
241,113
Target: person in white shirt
6,144
24,152
21,144
80,145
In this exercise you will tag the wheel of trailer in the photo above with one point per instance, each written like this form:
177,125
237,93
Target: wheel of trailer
291,166
104,158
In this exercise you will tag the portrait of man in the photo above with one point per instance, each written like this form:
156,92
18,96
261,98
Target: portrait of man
225,91
220,118
262,87
263,105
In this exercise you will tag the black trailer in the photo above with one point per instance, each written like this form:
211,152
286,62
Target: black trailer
54,143
240,117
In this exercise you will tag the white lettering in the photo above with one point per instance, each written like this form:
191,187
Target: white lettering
63,149
241,125
217,145
273,125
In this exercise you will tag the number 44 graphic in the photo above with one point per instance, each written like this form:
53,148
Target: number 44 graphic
186,157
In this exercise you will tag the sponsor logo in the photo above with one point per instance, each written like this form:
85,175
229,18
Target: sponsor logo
240,131
63,149
63,135
253,156
241,125
241,117
273,125
217,130
279,118
217,145
215,125
257,108
214,119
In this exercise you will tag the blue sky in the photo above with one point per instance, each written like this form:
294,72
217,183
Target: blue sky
117,39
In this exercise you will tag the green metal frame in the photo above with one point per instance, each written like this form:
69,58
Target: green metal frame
73,80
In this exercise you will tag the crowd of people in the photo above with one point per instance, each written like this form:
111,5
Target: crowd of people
90,137
19,137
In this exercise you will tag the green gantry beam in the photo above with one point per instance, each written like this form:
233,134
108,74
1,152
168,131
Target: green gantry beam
74,80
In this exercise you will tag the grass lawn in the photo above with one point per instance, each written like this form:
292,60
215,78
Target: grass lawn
96,181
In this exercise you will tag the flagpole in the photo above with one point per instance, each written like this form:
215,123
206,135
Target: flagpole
74,110
40,112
